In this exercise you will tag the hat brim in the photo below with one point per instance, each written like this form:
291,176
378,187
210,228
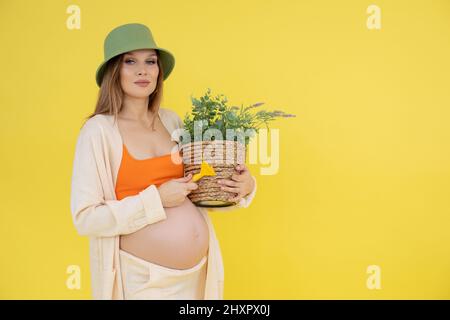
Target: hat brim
167,61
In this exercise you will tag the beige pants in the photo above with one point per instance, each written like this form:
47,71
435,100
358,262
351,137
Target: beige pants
143,280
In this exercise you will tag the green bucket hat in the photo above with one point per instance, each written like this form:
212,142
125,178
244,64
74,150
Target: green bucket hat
129,37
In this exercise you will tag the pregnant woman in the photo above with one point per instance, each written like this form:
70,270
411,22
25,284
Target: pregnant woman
129,195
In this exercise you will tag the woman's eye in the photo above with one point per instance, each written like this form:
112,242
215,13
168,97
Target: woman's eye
129,60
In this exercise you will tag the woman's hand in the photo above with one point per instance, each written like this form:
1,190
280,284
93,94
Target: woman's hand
240,183
174,192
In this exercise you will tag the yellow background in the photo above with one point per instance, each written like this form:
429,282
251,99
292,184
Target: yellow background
364,174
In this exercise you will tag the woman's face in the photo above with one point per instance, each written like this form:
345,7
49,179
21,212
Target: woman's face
139,65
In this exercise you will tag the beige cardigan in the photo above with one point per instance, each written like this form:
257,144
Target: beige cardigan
97,213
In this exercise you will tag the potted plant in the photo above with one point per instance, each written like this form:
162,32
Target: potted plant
214,141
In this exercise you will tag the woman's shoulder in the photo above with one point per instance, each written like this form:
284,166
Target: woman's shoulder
96,124
168,112
171,115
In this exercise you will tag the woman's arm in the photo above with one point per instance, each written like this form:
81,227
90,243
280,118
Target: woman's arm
91,213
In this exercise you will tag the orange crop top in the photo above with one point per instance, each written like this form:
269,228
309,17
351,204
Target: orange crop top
136,175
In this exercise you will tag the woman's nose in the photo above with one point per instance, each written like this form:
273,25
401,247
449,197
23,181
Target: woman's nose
142,70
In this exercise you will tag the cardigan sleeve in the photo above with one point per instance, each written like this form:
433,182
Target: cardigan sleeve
243,203
91,213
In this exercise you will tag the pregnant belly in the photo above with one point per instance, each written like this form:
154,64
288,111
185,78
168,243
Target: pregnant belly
178,242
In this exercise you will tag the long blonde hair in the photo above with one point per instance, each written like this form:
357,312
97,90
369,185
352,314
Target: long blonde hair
110,95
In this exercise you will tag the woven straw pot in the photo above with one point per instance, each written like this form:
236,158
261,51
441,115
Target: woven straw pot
223,156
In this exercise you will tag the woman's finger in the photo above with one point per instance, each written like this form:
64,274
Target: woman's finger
184,179
237,198
230,189
228,182
237,177
191,185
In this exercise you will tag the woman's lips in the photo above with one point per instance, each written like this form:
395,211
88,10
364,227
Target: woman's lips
142,84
